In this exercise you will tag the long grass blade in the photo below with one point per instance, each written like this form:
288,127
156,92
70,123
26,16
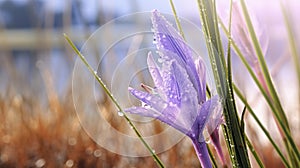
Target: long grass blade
263,64
289,142
263,91
233,135
254,153
265,131
155,157
177,19
295,57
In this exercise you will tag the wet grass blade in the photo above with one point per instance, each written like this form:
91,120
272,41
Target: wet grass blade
293,47
263,64
271,104
177,19
254,153
155,157
288,140
265,131
292,42
212,158
232,132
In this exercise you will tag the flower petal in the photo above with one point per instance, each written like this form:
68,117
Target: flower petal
187,97
202,78
171,45
166,116
216,142
170,116
143,111
170,87
213,124
154,71
204,118
152,100
215,116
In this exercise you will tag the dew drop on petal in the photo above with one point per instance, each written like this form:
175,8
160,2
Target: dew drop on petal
148,98
165,105
160,60
172,104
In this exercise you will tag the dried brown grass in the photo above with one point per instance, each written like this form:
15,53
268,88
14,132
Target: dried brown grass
38,134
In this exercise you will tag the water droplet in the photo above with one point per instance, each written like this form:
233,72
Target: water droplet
165,105
120,113
160,60
172,104
95,72
154,41
207,140
72,141
40,162
69,163
97,153
153,150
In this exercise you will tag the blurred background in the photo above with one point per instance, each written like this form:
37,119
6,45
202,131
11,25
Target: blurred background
39,126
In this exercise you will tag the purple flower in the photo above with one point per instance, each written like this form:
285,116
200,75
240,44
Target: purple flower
179,96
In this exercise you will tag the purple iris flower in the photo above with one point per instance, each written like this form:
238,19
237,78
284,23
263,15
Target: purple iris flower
179,96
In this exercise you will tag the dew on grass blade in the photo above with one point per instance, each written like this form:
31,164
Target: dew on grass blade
120,113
